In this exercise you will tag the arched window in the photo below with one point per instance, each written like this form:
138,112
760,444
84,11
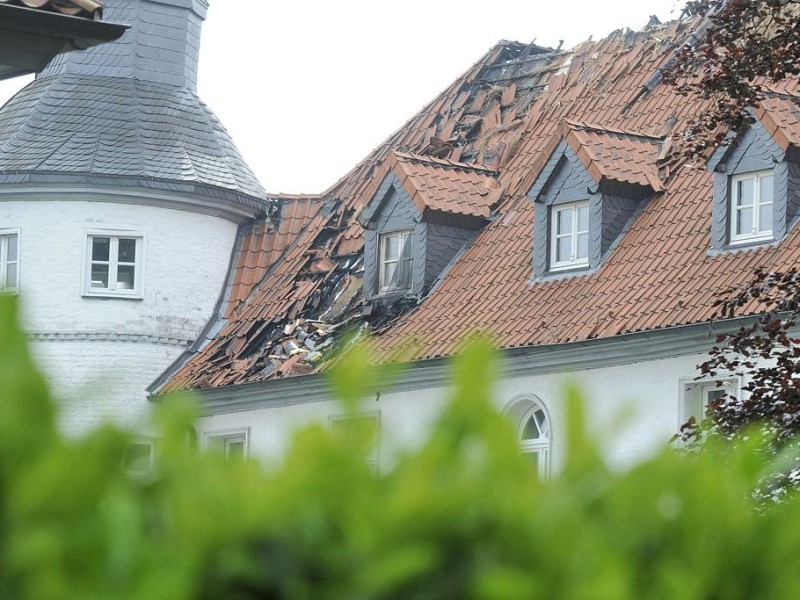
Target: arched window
533,431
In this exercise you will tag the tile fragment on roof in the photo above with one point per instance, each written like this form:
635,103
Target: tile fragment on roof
90,9
496,123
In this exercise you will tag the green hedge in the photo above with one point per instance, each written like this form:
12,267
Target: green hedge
463,517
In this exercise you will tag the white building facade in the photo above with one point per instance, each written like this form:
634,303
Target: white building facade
123,197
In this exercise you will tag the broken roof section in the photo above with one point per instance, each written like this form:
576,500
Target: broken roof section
442,186
780,115
475,118
616,155
505,114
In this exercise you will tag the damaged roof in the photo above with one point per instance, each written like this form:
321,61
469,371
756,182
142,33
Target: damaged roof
443,186
500,122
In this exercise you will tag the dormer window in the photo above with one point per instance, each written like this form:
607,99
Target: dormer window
756,182
751,207
420,217
570,236
590,187
396,260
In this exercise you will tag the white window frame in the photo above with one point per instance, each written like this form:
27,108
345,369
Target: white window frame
402,263
519,410
213,440
696,395
539,447
5,235
573,262
373,459
757,234
112,291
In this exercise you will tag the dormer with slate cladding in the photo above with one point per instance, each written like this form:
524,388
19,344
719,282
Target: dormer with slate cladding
757,180
592,183
424,212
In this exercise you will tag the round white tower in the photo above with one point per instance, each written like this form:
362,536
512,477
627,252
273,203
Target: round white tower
121,196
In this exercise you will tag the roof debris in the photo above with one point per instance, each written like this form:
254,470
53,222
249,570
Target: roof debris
476,150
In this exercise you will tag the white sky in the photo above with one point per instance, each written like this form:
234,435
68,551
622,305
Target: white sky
307,89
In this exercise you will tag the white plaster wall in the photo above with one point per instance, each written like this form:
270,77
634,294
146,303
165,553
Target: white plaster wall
186,258
633,410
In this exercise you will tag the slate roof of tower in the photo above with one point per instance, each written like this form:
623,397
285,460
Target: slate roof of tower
507,113
108,116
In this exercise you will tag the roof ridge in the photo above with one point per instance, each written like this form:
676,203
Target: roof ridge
582,125
444,162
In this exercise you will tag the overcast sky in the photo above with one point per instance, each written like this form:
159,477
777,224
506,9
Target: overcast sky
307,89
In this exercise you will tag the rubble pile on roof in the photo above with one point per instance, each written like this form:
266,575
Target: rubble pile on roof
478,148
90,9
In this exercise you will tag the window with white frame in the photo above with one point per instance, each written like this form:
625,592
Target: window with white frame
361,426
9,260
534,439
233,444
114,265
529,416
698,395
395,260
569,233
751,207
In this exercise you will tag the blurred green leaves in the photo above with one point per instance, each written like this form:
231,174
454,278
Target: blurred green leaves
463,516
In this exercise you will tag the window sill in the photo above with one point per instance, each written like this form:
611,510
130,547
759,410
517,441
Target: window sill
753,241
115,295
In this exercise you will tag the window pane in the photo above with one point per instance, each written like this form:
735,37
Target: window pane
541,419
713,395
534,458
765,217
138,457
531,431
125,277
11,275
126,251
235,449
391,247
765,191
564,221
406,242
583,217
744,223
99,276
100,246
12,248
583,246
744,192
389,272
563,249
404,278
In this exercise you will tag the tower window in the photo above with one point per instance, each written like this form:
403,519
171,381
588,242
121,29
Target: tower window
114,265
9,261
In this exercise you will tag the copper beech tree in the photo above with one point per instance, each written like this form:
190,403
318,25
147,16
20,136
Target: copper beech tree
766,351
739,56
740,52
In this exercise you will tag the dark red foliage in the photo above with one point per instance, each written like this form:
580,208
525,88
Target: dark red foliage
748,45
767,353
